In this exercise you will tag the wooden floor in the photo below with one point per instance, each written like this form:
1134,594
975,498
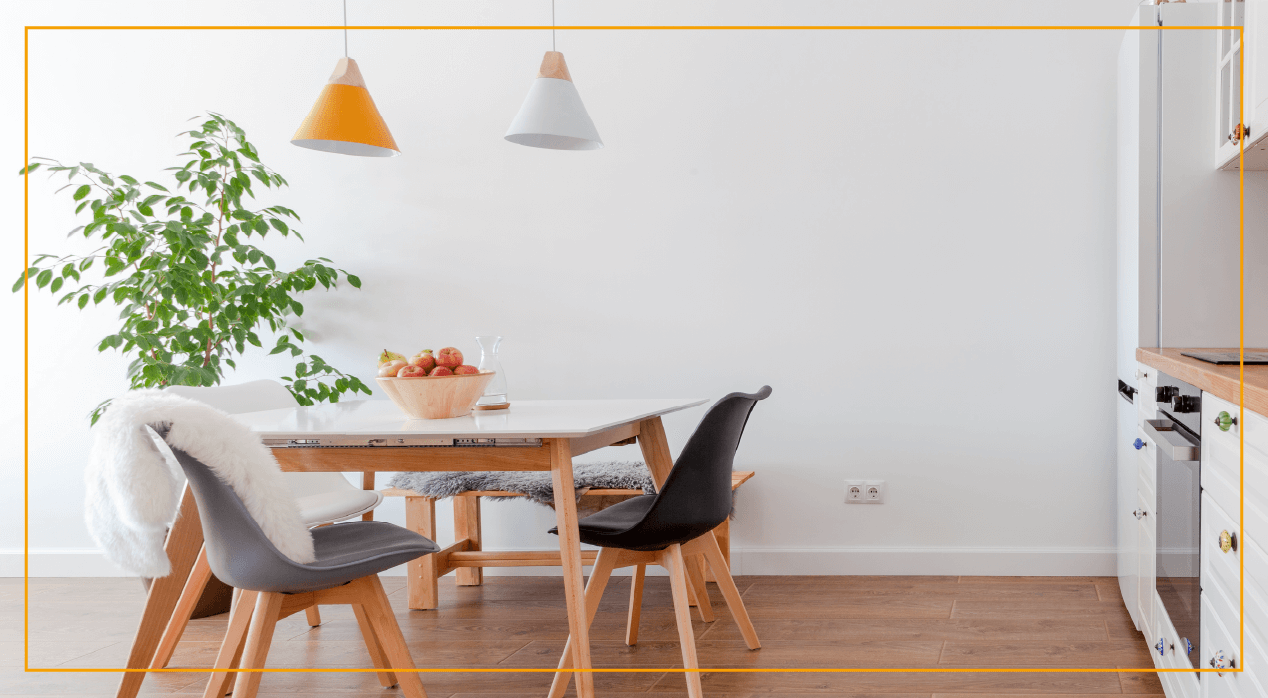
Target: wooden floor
865,622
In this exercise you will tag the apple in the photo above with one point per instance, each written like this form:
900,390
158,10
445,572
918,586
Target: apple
387,356
463,369
391,368
449,357
440,371
423,359
411,371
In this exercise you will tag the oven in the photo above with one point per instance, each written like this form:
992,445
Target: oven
1178,435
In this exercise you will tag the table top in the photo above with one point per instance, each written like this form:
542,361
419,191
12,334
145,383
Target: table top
361,420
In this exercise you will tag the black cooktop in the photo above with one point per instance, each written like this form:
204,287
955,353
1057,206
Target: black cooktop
1253,358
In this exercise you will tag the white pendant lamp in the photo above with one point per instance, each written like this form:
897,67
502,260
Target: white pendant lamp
344,120
552,115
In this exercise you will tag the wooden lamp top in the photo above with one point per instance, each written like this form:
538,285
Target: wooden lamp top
553,66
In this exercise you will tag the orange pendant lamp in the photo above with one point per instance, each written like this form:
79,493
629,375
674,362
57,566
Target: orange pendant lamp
344,120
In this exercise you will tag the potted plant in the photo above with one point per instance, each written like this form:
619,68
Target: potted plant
184,265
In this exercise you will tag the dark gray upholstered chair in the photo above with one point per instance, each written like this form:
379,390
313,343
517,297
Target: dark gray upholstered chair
272,586
669,529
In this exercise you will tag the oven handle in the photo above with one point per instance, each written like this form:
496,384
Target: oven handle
1169,442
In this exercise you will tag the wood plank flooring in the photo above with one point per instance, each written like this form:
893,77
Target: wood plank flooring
511,622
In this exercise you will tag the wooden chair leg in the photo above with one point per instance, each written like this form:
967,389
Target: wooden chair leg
421,579
466,524
599,576
636,605
190,594
722,534
372,645
268,607
672,559
696,587
379,612
722,573
314,616
231,648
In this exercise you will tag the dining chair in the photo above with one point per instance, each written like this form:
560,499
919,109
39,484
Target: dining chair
323,498
272,586
669,529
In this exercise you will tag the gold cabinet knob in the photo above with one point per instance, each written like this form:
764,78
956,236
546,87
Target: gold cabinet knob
1228,541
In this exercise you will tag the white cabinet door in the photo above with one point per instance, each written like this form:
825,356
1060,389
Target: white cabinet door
1128,475
1255,38
1146,548
1228,80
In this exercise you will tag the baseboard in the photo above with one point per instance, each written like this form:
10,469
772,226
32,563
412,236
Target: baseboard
1038,562
1009,562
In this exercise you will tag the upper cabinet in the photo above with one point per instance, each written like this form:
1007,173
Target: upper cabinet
1242,108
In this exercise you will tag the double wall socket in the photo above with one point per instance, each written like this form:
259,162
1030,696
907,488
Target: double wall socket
864,491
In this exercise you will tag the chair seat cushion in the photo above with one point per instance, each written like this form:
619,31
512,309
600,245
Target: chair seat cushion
348,551
611,527
336,505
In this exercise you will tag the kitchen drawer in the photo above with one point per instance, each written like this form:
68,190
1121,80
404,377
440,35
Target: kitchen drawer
1221,474
1218,608
1145,549
1216,636
1146,381
1165,646
1256,561
1219,568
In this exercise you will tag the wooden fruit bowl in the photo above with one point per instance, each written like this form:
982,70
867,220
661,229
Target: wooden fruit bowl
439,397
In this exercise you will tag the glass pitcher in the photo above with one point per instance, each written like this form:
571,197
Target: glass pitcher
495,392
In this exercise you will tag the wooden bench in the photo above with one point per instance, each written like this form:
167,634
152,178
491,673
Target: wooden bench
425,572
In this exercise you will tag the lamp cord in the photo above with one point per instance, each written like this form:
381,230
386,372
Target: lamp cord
552,24
345,28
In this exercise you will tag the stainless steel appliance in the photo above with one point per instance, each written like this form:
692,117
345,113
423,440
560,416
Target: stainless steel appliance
1178,435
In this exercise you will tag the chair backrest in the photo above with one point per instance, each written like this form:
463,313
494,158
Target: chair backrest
238,552
256,396
697,493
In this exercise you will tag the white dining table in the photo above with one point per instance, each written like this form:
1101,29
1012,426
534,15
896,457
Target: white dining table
375,436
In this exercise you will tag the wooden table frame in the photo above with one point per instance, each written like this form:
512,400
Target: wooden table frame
554,455
467,558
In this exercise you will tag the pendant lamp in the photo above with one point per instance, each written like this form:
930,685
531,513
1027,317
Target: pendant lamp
552,115
344,120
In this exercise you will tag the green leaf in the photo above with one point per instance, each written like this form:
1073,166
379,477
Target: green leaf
82,191
83,301
44,277
31,168
56,285
160,187
354,281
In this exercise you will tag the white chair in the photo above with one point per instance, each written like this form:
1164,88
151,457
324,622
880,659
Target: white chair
324,498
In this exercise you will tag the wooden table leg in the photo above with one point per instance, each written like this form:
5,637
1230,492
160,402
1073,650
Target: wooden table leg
367,483
421,579
184,541
466,524
570,552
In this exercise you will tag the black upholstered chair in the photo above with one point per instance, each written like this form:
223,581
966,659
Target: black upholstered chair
670,528
272,586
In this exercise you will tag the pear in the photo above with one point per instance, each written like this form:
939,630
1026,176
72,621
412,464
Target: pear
387,356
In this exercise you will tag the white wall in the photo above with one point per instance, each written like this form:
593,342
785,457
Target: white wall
909,235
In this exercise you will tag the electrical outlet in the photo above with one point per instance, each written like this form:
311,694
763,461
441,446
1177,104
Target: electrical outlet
864,491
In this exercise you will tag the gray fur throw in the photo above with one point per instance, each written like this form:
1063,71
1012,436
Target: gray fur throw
615,475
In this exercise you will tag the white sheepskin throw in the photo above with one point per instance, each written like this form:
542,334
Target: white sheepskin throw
134,489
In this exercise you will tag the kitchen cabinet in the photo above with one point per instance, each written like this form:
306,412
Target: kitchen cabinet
1241,109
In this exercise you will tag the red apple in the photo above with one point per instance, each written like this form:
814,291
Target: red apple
423,359
411,371
391,368
465,369
449,357
440,371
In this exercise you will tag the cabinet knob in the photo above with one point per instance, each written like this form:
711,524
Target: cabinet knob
1141,374
1225,421
1161,646
1239,132
1221,660
1228,541
1138,444
1140,514
1188,646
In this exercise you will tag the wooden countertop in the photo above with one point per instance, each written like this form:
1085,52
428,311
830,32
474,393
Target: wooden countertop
1221,381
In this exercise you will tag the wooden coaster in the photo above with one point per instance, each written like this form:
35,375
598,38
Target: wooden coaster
492,407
